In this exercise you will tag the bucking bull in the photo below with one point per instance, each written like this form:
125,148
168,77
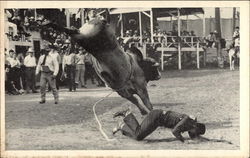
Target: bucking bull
125,72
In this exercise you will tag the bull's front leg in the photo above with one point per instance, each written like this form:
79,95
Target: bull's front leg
142,92
134,100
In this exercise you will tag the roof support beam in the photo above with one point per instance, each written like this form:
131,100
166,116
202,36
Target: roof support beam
145,13
140,26
151,25
67,17
121,25
179,42
197,16
204,25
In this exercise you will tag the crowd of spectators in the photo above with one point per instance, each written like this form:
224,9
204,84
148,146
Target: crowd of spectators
159,36
75,64
75,69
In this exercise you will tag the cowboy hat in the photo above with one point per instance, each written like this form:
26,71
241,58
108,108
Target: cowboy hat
30,50
67,41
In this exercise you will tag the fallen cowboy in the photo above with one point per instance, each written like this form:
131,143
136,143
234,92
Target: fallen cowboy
178,122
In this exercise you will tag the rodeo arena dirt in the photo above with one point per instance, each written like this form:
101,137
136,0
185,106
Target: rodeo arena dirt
122,79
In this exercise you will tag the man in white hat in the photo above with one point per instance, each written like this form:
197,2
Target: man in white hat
30,68
48,66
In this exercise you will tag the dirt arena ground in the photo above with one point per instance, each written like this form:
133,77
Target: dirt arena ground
211,95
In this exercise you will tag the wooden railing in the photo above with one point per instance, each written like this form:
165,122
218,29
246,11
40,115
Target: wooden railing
171,44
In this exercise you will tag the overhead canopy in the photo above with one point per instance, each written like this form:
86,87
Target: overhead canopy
160,12
168,12
127,10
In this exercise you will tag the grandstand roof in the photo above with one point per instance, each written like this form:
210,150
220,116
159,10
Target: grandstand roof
159,12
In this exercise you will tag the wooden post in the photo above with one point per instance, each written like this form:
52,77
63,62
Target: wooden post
151,25
162,57
144,48
187,23
204,57
121,25
204,35
82,12
171,23
204,25
67,17
179,42
234,12
35,14
140,26
198,56
218,37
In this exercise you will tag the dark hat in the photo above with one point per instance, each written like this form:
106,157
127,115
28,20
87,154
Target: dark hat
11,50
200,129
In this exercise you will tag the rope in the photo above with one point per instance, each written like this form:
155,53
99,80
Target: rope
99,123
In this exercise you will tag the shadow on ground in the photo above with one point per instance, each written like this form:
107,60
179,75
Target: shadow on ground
192,73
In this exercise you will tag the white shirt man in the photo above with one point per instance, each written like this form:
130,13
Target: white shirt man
30,67
54,53
49,68
51,62
30,60
68,59
14,62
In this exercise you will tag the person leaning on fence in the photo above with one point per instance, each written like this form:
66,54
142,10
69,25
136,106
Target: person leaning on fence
30,69
178,122
49,67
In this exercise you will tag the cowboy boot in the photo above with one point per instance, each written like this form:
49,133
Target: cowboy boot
121,113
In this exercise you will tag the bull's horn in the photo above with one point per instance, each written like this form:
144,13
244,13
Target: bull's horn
156,64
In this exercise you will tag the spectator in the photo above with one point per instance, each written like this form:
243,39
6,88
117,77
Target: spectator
15,77
89,70
30,68
48,66
54,53
20,57
210,40
69,67
8,87
236,40
80,68
192,33
236,33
